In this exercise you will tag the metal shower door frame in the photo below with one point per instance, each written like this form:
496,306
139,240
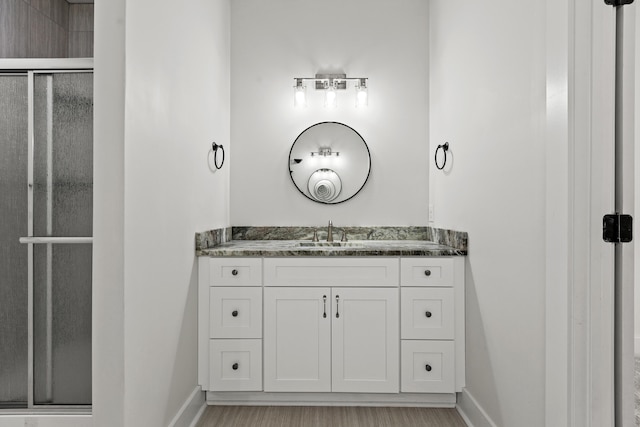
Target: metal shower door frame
32,68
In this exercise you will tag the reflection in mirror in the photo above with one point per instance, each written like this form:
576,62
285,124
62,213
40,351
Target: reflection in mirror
329,162
324,185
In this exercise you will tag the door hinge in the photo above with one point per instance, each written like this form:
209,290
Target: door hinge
618,2
617,228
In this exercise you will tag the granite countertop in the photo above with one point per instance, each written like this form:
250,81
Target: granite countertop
352,248
296,241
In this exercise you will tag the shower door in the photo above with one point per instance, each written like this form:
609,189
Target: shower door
46,198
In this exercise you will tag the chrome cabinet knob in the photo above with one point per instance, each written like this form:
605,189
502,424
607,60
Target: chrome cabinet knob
428,368
234,272
427,272
234,313
235,367
428,314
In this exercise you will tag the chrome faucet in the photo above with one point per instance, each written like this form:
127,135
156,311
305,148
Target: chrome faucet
330,232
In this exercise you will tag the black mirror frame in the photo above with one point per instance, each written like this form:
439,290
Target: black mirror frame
296,161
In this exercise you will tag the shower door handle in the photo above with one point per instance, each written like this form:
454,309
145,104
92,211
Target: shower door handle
56,240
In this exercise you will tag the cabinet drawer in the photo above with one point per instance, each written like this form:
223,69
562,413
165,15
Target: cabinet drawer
235,365
235,272
330,271
427,313
426,271
428,367
235,312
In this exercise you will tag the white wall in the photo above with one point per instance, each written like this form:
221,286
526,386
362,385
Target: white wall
176,102
487,99
108,215
274,41
637,187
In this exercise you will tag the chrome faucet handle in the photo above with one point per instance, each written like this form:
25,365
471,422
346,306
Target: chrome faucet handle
344,236
315,236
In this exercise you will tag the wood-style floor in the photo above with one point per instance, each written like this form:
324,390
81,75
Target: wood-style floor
322,416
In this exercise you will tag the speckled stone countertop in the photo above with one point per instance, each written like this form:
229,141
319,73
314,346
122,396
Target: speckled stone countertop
363,241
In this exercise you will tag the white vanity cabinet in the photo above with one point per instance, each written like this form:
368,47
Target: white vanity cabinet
327,329
341,337
331,339
432,332
230,324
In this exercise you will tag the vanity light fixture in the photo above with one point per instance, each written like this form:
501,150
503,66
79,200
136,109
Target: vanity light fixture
300,94
324,152
362,93
331,84
330,96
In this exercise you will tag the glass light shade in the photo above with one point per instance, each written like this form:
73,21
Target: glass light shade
300,96
362,96
330,97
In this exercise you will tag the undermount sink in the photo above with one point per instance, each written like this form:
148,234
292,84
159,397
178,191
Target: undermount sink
330,244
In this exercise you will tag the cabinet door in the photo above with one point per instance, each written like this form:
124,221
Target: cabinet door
365,340
297,339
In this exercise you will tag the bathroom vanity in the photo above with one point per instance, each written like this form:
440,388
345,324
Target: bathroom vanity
360,322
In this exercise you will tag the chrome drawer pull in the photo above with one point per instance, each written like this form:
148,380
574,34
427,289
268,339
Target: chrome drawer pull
235,367
324,302
234,272
337,305
428,368
234,313
428,314
427,272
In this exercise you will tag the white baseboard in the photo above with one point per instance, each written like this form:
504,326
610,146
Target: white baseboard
636,346
191,410
259,398
46,420
472,412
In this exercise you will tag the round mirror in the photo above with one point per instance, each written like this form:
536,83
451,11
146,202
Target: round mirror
329,162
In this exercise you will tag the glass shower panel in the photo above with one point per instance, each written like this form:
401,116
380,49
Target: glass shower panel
63,155
13,255
62,324
62,207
